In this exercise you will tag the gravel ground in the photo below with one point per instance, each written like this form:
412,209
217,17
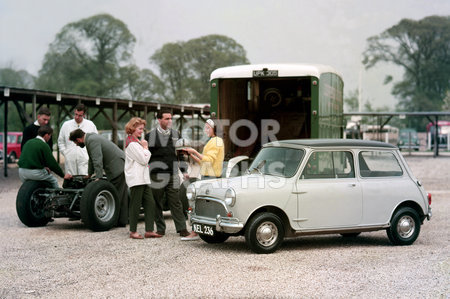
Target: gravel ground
64,259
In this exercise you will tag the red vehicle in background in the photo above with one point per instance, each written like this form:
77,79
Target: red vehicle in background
13,146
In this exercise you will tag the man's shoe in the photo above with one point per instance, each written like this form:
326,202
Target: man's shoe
161,233
191,237
151,234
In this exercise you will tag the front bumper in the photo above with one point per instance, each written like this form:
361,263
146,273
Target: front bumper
222,224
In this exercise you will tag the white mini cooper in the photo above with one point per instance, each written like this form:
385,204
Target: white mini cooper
314,186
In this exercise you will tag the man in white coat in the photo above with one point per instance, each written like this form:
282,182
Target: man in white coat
76,158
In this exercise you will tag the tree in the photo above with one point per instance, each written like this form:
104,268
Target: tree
185,67
173,72
16,78
208,53
446,102
422,49
140,84
86,57
351,103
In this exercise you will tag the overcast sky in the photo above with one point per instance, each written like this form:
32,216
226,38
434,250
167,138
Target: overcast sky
331,32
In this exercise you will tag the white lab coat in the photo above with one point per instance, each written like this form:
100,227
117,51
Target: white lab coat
76,158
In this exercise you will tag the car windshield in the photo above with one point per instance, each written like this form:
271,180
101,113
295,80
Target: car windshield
278,161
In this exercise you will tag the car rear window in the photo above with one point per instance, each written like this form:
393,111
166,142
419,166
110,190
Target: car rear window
379,164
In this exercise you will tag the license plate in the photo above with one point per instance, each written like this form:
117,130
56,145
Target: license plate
203,229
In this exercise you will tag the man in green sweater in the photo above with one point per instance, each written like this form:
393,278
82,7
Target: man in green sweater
36,160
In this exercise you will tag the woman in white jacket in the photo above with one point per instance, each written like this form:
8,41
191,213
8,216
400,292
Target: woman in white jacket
137,177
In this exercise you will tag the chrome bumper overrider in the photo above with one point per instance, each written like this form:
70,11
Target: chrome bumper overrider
222,224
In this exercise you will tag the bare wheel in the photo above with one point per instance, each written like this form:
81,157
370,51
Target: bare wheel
273,97
100,205
405,227
264,233
31,203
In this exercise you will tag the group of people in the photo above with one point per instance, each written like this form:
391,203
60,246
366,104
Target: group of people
151,170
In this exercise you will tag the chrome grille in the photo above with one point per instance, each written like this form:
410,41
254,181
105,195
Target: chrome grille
209,208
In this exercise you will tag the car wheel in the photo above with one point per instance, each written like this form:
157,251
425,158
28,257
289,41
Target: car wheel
405,227
30,203
218,237
12,158
350,235
99,206
264,233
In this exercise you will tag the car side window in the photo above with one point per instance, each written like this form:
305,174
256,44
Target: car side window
329,165
378,164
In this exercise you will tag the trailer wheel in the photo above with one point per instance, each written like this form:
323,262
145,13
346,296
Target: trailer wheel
99,206
30,203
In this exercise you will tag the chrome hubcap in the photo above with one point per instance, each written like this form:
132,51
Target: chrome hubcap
406,226
267,234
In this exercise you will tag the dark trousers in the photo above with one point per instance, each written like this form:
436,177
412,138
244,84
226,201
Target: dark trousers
122,191
142,195
165,187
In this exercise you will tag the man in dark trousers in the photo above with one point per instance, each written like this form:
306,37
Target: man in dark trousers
30,132
105,155
164,174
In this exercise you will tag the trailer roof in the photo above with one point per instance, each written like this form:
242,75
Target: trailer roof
284,70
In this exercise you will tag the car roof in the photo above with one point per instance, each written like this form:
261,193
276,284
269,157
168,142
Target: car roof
332,143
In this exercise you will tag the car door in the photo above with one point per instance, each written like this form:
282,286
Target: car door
329,195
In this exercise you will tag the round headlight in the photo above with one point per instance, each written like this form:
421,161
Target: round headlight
190,192
230,197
